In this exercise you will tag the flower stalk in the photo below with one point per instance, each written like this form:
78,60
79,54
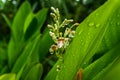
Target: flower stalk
61,33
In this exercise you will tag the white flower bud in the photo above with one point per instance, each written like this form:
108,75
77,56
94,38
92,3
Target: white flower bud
53,49
51,33
50,27
72,33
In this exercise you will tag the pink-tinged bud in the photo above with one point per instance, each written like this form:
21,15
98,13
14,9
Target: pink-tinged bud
52,35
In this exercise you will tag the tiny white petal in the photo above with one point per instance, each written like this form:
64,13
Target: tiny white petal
60,44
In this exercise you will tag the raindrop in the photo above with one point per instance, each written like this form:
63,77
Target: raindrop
81,40
79,32
97,25
85,63
73,55
91,24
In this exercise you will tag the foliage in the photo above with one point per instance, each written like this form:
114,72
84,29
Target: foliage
93,37
93,54
23,47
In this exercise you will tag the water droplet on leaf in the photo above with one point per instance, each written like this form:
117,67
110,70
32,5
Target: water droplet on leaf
88,34
81,40
85,63
73,55
97,25
79,32
91,24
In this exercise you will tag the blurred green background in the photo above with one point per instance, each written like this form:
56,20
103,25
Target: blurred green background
75,9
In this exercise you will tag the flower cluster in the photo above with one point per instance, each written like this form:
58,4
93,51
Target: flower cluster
61,32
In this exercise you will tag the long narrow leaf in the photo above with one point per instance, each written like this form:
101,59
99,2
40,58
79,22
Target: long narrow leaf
104,72
22,60
101,63
35,73
7,20
88,38
10,76
15,44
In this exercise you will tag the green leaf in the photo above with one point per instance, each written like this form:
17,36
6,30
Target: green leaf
41,17
113,73
36,23
102,74
4,69
16,42
13,51
10,76
24,57
1,5
101,63
35,73
29,64
7,20
54,71
28,21
88,38
31,29
44,49
19,20
3,52
32,61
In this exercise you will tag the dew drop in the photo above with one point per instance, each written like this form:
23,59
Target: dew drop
91,24
97,25
73,55
85,63
81,40
79,32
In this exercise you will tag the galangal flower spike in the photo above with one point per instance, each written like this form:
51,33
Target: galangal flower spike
61,32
